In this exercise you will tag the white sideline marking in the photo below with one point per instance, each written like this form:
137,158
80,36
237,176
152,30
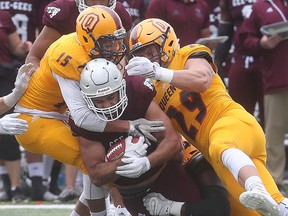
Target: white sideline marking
53,206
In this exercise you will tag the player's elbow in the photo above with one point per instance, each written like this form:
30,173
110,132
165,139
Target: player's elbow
204,85
205,82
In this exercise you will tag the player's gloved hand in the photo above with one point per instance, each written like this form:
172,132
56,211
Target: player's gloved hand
133,167
157,204
24,74
143,127
144,67
138,149
10,124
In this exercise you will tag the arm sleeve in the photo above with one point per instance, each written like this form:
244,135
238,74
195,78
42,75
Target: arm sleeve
81,114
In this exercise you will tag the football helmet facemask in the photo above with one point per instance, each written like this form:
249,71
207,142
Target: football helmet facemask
81,4
100,31
99,78
154,31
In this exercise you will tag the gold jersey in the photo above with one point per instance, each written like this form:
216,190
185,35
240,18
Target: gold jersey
43,92
193,114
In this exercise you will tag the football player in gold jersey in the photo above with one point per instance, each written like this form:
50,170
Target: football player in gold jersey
55,86
192,94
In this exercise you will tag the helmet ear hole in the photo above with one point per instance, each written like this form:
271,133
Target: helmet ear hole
170,45
85,39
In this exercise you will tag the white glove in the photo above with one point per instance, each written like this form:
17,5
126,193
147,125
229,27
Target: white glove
144,67
11,125
21,83
138,149
143,127
157,204
133,167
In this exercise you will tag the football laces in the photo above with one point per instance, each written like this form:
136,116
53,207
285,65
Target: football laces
116,148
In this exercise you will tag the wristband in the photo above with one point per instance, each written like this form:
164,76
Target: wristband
147,163
176,208
131,127
164,74
10,100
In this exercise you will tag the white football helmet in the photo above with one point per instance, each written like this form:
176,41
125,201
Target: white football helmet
99,78
81,4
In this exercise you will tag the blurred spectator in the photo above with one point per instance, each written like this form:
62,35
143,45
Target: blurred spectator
273,49
11,48
214,16
189,18
244,72
26,16
136,8
59,19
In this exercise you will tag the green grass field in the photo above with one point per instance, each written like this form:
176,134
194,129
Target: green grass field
40,209
34,212
34,209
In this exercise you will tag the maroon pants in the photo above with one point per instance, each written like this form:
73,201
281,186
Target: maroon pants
245,84
173,183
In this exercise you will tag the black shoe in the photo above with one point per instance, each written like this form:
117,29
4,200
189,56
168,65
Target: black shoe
18,195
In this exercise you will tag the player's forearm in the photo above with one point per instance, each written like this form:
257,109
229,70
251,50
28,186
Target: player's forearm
117,126
195,79
104,173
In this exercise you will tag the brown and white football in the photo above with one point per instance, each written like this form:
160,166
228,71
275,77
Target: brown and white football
117,150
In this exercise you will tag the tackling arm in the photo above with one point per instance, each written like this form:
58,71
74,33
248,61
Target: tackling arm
87,119
195,77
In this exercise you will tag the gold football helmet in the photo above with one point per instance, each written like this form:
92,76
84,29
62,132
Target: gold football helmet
100,31
154,31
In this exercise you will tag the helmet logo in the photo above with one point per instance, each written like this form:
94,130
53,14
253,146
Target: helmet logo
103,90
89,22
160,25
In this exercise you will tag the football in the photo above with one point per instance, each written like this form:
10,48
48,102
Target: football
117,150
